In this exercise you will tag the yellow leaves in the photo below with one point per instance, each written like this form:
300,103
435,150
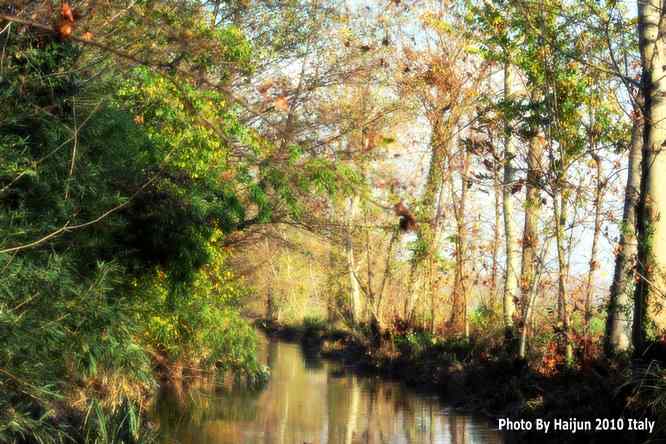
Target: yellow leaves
433,21
544,52
345,34
138,119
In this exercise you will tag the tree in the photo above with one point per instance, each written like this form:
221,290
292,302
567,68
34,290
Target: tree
649,318
510,294
618,325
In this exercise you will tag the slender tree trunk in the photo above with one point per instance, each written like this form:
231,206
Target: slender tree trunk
618,325
354,287
528,313
331,295
496,240
560,215
458,319
649,315
410,297
272,308
591,275
511,278
270,304
369,299
530,231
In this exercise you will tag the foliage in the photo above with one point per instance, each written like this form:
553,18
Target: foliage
157,157
203,327
116,197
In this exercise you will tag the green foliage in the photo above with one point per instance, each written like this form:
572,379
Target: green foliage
415,343
559,62
485,318
130,212
204,327
313,324
123,425
118,188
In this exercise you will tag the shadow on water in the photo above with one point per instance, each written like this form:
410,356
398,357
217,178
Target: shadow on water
314,401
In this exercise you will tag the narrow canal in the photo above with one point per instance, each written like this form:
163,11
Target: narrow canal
315,401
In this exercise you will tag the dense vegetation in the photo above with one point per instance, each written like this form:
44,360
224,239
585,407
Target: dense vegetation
167,167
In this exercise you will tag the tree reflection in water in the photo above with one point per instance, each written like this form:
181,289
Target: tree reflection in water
316,402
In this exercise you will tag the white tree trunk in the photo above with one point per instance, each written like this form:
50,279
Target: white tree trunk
649,315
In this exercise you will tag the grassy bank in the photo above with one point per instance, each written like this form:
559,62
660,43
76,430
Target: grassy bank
474,377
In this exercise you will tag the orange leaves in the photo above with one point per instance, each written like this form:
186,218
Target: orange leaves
551,360
274,92
66,25
65,29
282,104
66,12
371,140
227,176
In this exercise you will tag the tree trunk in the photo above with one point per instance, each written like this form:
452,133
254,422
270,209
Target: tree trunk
496,239
528,312
511,279
354,287
530,230
428,231
270,304
619,306
560,215
593,254
458,319
649,316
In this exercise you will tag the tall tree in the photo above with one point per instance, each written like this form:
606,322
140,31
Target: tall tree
649,315
511,270
618,323
530,240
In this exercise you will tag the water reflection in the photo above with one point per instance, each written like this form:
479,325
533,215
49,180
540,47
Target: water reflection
316,402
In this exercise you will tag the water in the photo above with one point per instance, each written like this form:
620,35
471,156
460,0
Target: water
313,401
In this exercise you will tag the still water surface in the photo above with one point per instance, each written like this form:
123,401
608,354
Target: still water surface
314,401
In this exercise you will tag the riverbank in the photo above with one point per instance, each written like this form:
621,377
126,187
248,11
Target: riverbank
473,378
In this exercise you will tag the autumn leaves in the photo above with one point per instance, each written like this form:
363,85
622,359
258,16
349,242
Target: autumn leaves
67,23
